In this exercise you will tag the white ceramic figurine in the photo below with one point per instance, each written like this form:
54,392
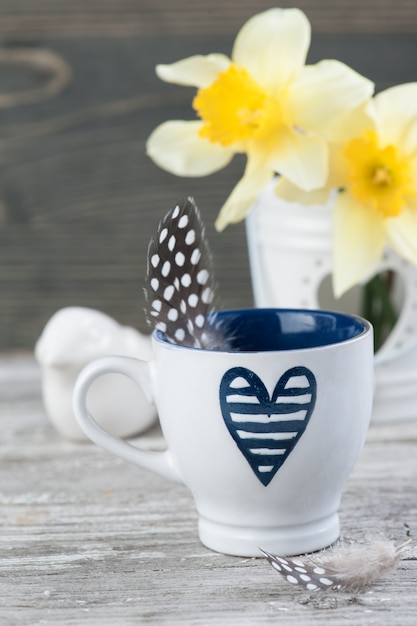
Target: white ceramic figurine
73,337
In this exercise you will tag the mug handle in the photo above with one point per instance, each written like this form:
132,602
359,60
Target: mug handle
161,463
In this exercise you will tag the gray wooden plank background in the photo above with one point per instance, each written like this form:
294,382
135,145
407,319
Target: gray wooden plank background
79,199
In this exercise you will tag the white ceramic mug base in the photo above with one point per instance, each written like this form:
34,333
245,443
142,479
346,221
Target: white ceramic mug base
282,540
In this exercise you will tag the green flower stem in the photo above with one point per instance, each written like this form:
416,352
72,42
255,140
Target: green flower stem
377,307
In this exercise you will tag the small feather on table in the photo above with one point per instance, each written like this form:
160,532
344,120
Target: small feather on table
348,567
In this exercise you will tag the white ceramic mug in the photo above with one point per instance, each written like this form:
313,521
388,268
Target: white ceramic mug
264,435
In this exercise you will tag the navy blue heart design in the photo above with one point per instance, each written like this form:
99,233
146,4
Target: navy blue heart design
267,428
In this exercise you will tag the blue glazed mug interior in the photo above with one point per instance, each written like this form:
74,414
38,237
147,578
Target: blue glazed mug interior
261,330
287,329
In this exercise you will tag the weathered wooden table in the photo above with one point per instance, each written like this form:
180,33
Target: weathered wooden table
88,538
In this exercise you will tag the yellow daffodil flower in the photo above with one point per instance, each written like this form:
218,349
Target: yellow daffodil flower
264,102
374,163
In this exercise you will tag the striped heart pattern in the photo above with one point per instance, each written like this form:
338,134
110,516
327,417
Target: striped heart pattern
267,428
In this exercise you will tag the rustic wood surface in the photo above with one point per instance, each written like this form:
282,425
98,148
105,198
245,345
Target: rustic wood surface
79,199
87,538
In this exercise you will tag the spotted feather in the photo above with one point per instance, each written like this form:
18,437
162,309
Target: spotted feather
180,289
343,567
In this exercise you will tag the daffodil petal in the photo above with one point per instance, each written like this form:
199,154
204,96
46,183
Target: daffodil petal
358,243
176,146
408,142
353,123
395,110
413,168
290,193
402,234
338,167
243,196
273,46
323,93
303,159
195,71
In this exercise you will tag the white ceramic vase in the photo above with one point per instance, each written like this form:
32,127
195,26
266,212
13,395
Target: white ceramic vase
290,254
